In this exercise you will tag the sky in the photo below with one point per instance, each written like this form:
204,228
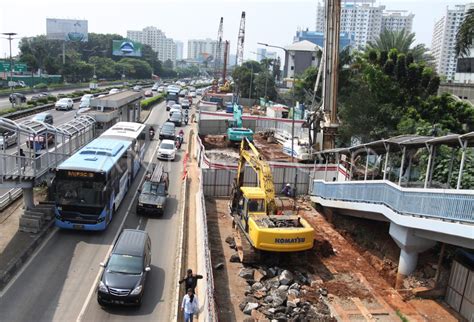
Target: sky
269,21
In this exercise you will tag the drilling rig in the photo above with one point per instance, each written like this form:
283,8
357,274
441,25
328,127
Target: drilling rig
324,116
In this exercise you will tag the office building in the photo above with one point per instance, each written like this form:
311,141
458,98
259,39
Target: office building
444,41
199,49
263,53
179,50
298,57
345,38
157,40
366,21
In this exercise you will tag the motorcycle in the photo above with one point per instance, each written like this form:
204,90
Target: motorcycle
152,133
178,143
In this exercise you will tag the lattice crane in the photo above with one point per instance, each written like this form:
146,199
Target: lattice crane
240,41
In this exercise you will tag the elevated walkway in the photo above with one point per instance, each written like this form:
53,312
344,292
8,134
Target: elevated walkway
419,216
40,147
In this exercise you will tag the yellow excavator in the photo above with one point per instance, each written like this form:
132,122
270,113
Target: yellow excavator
260,222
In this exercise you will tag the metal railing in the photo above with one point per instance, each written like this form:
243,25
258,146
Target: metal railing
447,204
7,198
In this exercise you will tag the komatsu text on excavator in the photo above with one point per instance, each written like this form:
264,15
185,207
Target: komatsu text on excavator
260,222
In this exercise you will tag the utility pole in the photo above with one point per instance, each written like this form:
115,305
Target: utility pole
10,37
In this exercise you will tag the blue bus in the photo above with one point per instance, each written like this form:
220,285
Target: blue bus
92,183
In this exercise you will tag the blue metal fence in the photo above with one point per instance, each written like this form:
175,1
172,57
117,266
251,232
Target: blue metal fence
455,205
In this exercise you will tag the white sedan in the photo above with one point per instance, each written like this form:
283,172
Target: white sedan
64,104
167,150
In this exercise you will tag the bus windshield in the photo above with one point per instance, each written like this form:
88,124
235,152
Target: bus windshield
79,192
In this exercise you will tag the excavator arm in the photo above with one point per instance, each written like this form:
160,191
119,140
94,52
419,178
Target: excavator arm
249,154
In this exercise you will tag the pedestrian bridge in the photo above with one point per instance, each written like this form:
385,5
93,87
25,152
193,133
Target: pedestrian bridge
404,190
39,147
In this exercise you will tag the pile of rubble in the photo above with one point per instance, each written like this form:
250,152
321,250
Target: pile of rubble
275,293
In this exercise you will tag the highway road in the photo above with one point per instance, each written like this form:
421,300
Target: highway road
5,103
59,282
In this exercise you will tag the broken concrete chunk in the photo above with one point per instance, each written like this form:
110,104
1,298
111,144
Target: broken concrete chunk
234,258
286,277
247,273
249,307
219,266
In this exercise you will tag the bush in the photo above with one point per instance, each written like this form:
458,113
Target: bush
52,98
31,103
41,86
42,100
150,102
62,95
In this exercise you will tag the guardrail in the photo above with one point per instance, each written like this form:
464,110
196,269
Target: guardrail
7,198
446,204
209,311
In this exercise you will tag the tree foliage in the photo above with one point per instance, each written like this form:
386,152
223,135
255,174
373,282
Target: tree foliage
465,34
40,53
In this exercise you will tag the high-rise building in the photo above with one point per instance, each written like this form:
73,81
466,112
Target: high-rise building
345,38
443,41
262,53
179,50
200,49
156,39
366,21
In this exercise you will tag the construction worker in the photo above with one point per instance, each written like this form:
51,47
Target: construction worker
190,280
287,191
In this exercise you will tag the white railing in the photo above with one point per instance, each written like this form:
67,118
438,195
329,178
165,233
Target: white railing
7,198
447,204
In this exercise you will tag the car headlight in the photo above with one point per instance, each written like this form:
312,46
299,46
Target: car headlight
159,206
140,204
137,290
103,288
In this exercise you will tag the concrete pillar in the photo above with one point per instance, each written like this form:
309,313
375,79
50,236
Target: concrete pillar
28,198
410,246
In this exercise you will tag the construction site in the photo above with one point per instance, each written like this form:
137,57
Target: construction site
276,251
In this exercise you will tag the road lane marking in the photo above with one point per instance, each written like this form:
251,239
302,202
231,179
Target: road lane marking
28,262
96,280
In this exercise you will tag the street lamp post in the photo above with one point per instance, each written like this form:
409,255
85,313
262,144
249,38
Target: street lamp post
10,37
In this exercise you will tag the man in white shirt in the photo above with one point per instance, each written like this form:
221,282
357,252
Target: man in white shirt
190,305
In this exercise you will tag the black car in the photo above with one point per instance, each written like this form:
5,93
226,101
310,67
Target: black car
176,118
17,98
153,195
125,272
168,131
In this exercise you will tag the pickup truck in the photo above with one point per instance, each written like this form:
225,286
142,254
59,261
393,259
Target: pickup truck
153,195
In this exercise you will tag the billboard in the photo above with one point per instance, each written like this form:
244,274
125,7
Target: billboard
66,29
126,48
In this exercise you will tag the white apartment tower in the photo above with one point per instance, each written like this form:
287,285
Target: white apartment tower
179,50
198,47
443,41
365,20
156,39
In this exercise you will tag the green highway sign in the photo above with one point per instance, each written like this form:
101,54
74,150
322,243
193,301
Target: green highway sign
5,67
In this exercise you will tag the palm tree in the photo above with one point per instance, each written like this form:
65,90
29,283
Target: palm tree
465,34
400,40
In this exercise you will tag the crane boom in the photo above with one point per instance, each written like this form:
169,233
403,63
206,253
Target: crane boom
240,41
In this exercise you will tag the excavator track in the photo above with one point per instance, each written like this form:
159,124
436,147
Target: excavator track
247,253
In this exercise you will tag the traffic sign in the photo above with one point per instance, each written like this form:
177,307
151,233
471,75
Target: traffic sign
19,67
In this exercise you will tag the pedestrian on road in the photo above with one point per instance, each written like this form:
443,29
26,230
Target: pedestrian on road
190,305
190,280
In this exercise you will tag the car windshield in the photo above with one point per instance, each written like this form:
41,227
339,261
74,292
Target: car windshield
40,118
78,192
166,146
125,264
153,188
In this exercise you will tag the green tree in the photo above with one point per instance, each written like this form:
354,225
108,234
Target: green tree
104,67
400,40
465,34
265,86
